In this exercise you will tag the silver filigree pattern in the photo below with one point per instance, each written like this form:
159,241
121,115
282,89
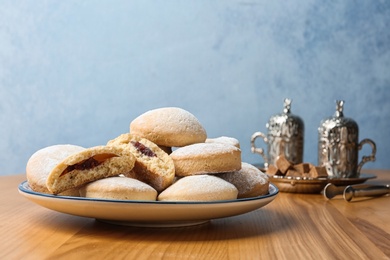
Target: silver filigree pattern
338,145
285,136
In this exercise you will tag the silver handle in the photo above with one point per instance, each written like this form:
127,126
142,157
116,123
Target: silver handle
369,191
259,150
354,191
371,157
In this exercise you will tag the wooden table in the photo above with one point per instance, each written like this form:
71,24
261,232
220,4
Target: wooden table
293,226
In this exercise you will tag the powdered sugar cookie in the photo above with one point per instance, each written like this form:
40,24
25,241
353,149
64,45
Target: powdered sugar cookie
250,181
206,158
169,126
199,188
119,188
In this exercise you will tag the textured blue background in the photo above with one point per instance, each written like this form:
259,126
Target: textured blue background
79,71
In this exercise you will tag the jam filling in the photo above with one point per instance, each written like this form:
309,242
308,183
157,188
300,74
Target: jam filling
89,163
143,149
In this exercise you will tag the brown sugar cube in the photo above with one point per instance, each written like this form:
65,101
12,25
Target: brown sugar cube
272,170
293,173
283,164
318,171
302,167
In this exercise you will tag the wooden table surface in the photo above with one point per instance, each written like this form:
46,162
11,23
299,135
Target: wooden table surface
293,226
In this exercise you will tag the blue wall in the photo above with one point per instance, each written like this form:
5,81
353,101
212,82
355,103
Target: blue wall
79,71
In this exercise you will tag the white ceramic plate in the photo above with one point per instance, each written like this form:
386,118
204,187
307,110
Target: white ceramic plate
147,213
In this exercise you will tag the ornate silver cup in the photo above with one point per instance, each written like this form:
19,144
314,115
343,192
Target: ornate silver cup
285,136
338,145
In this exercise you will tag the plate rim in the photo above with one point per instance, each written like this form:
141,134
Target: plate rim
23,189
173,213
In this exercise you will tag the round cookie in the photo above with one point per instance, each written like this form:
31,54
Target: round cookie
169,126
89,165
206,158
119,188
152,166
224,140
43,161
199,188
250,181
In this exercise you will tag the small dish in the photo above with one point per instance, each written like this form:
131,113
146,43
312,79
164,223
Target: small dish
313,185
147,213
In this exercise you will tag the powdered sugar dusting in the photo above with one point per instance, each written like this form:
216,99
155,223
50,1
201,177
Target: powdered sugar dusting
172,118
204,149
245,179
199,188
224,139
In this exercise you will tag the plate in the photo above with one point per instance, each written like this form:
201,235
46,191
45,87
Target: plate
147,213
314,185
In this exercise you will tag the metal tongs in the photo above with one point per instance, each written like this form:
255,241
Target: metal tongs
353,191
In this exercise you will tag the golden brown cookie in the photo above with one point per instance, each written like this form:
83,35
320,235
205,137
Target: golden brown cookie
206,158
42,162
169,126
152,166
199,188
119,188
250,181
89,165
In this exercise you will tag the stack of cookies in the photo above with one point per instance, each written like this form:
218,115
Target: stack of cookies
165,156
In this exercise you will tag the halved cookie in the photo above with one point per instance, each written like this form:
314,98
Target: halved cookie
152,166
42,162
89,165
